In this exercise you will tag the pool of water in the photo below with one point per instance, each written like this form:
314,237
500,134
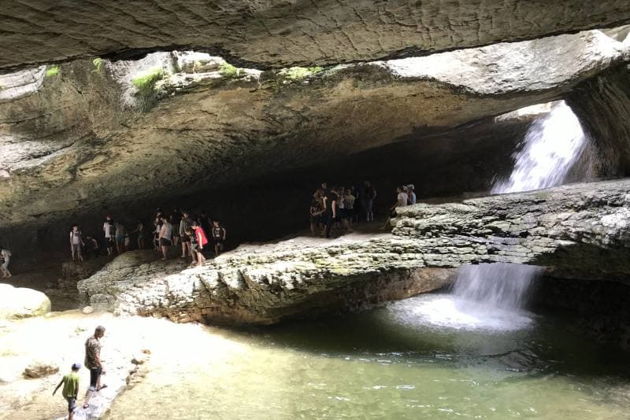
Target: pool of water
402,361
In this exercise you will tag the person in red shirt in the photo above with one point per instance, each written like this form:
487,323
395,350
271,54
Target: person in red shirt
198,240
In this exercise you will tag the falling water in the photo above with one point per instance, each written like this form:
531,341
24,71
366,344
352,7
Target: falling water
550,148
491,296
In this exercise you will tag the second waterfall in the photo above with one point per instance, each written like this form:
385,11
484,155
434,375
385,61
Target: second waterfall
491,296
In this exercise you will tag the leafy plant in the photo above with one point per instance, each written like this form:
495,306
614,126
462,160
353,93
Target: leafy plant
300,73
98,64
229,71
146,83
52,71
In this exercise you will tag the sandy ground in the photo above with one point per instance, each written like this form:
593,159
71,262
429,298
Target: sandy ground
58,340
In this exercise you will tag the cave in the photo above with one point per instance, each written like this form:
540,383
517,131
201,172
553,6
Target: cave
366,209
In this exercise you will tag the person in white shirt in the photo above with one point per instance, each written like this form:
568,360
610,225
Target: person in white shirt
5,257
411,195
76,243
108,228
401,198
165,236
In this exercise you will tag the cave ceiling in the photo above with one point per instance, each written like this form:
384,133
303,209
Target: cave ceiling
280,33
89,133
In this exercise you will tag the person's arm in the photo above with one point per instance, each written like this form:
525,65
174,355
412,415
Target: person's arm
58,386
224,233
334,208
70,240
199,239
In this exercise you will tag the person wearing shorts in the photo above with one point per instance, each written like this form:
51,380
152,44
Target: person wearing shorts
198,240
70,391
218,237
76,244
165,237
184,225
108,228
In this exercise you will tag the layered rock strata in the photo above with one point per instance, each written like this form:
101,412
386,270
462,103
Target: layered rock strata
266,284
602,104
276,33
579,231
223,128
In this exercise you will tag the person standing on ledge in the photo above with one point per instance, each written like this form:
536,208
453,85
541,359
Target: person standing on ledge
218,237
94,363
184,225
70,391
166,233
5,257
108,228
76,243
411,194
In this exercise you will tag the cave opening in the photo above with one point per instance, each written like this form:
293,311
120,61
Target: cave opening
508,276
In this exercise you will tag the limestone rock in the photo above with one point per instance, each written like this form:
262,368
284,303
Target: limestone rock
262,285
277,33
21,302
39,369
578,231
67,152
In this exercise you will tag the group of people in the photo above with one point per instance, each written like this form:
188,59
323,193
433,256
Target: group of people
341,207
70,381
194,234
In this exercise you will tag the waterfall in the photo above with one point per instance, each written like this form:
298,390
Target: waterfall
550,148
491,296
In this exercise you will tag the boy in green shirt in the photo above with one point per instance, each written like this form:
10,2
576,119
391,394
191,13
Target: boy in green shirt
70,391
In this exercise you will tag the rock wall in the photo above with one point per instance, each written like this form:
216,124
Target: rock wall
278,33
263,284
602,105
236,129
579,231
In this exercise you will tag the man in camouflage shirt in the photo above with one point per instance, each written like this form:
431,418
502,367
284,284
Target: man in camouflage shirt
93,359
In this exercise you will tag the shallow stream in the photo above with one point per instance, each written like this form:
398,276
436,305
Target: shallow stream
402,361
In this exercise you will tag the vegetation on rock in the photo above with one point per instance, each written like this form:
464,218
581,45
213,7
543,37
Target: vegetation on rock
146,83
300,73
98,64
229,71
52,71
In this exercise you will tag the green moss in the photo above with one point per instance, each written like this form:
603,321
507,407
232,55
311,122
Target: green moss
98,64
52,71
300,73
229,71
146,83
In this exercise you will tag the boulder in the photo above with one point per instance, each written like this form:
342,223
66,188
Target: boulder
22,302
39,369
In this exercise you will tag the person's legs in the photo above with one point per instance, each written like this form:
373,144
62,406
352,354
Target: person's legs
329,223
78,252
200,258
5,270
72,404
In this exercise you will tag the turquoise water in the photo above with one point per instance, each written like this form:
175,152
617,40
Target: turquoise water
383,364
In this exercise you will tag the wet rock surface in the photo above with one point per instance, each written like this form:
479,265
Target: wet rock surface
266,284
274,33
579,230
